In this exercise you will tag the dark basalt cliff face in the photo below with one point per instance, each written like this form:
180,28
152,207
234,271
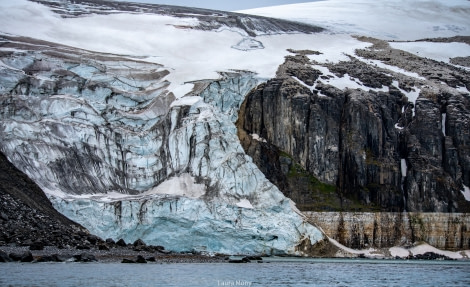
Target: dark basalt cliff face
363,149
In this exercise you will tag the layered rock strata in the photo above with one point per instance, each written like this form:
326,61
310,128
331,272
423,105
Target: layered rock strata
362,230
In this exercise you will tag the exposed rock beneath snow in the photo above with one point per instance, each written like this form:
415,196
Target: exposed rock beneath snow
435,72
355,139
461,61
461,39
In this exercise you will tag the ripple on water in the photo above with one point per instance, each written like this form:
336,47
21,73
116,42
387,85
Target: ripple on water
316,272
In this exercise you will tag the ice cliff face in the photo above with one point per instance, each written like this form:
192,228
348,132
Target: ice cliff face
118,153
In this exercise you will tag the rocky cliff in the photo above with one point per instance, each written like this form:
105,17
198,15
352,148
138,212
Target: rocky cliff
398,140
362,230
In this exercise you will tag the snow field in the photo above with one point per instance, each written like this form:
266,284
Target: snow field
390,20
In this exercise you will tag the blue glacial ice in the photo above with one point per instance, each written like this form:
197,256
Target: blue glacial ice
115,152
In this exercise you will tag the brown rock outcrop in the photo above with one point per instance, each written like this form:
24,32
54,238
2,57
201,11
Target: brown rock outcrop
359,230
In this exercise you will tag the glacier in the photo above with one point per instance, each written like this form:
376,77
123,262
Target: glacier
137,139
116,151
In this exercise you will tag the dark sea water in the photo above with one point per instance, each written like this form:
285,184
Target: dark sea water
294,272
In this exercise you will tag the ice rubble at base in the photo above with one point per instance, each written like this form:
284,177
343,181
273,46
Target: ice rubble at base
424,248
397,251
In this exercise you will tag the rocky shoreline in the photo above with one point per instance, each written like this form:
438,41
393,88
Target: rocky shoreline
128,254
22,254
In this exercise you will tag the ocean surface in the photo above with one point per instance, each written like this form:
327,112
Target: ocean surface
273,272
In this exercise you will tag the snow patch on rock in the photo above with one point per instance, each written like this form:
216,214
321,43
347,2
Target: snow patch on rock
443,123
256,137
423,248
412,95
441,52
466,192
404,167
397,251
369,253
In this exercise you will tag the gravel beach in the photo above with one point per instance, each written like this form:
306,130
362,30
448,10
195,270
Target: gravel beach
113,255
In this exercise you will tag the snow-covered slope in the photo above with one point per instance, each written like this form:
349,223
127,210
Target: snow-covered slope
395,20
388,20
191,46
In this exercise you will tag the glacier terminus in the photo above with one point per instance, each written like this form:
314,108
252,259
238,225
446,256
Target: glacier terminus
120,152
